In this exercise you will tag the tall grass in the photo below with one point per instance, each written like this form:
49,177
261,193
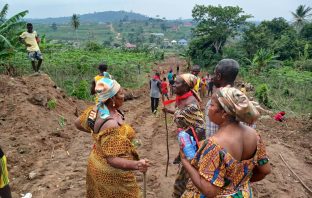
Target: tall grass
288,89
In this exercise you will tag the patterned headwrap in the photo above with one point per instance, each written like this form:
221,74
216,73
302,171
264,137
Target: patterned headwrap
191,80
235,103
106,88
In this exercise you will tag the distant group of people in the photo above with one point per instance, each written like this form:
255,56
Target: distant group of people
160,89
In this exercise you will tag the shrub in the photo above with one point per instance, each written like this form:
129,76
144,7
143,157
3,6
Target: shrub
93,46
82,90
62,121
52,104
305,65
262,93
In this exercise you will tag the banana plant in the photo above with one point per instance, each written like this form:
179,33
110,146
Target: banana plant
9,27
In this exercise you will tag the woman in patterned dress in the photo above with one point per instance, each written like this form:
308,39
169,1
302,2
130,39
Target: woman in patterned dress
189,117
228,161
113,158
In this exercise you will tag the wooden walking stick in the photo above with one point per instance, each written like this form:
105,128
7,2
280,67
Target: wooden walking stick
167,136
167,139
144,185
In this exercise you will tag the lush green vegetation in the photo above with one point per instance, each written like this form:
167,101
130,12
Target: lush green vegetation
276,56
116,34
73,69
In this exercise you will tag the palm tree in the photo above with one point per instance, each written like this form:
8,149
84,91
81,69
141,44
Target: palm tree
300,16
9,27
262,59
75,23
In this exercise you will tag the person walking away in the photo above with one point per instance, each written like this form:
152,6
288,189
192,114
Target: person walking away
234,156
210,85
5,191
189,117
113,159
164,88
31,39
155,92
171,81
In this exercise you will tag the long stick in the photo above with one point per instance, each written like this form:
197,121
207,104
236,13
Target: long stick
144,186
304,185
167,139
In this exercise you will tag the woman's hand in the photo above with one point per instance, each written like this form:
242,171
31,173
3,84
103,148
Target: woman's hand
167,110
182,155
142,165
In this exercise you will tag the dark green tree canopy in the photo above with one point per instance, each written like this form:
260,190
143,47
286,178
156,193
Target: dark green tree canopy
218,23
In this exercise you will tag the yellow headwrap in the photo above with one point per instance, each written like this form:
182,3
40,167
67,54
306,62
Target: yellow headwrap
191,80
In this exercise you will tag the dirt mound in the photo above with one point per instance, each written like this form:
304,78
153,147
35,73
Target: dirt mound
47,156
39,140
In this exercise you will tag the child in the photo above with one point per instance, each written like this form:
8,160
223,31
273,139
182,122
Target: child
280,116
243,89
5,191
203,85
164,88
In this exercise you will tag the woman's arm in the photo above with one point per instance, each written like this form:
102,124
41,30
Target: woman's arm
165,109
205,187
259,172
125,164
79,127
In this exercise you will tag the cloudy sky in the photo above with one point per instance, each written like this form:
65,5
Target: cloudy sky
171,9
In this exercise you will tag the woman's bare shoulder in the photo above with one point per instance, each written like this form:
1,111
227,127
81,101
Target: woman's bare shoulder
111,123
108,123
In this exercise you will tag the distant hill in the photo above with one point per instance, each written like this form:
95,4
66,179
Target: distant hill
96,17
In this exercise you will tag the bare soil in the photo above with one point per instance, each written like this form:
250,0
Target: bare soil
47,156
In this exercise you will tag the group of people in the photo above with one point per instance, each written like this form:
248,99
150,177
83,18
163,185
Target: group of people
160,89
230,153
206,86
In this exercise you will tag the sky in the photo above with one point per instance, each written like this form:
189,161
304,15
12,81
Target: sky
170,9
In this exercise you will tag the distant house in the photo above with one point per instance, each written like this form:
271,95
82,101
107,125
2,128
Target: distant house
130,46
182,42
174,28
187,24
173,42
166,41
